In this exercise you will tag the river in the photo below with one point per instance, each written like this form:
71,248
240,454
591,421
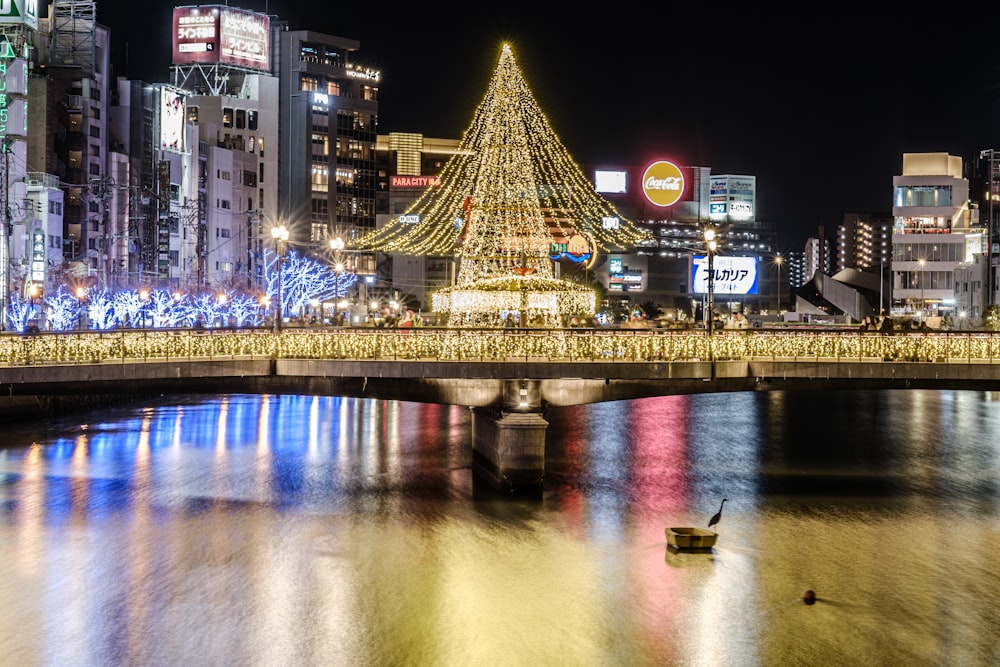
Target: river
300,530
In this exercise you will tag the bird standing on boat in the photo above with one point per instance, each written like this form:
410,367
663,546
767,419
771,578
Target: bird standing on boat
718,515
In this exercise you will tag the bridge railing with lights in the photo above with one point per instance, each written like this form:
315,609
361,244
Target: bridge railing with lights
511,345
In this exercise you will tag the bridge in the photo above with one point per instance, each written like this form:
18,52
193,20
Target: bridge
508,376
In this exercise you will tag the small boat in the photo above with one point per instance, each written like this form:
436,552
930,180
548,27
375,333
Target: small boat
688,538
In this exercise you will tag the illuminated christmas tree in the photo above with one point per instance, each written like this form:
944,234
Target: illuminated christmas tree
509,195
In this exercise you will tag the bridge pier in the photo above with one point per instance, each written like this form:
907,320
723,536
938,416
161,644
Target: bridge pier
508,443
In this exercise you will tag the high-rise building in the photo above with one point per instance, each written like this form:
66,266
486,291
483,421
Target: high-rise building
817,254
67,142
864,242
327,143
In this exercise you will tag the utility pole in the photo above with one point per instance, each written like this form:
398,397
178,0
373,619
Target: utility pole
100,190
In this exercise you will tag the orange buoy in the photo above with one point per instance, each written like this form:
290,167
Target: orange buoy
809,597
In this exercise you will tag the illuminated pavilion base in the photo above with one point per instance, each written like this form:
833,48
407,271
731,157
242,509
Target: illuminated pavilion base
508,449
534,301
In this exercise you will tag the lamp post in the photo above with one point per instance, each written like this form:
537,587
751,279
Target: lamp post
81,318
33,317
779,259
338,268
143,298
710,246
280,235
922,263
336,246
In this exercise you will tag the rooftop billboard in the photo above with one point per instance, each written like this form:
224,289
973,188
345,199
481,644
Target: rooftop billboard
19,12
216,34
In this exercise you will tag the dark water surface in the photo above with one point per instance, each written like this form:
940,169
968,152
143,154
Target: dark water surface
293,530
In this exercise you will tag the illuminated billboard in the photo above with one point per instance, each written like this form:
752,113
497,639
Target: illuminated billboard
173,112
732,198
733,275
610,182
663,183
224,35
24,12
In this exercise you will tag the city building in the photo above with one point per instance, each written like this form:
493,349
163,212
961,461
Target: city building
934,232
864,242
665,272
57,67
219,141
327,143
817,254
408,164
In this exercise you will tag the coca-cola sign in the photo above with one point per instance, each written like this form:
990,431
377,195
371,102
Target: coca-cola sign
663,183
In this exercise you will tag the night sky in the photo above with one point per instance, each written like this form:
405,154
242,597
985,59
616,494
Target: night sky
819,107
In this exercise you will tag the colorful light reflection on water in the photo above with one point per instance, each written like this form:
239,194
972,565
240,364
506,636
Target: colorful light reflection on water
325,530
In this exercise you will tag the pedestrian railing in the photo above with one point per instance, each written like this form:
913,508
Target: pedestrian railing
502,345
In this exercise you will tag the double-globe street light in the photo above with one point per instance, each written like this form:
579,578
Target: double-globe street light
923,317
710,247
280,235
337,246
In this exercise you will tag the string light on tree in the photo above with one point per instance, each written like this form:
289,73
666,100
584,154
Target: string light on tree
499,194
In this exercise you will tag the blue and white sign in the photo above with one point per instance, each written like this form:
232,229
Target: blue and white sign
732,275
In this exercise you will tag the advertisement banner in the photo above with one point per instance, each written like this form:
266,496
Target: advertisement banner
19,12
173,112
732,275
224,35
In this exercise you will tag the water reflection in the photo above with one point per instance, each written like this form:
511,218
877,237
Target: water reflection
323,530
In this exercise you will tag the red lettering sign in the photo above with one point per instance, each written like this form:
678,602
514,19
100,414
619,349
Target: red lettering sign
414,181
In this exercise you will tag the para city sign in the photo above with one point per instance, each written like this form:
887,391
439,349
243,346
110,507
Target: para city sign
663,183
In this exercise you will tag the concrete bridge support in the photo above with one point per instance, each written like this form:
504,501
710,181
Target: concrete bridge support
508,449
508,443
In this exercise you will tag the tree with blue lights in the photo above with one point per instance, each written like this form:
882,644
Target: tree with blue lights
302,280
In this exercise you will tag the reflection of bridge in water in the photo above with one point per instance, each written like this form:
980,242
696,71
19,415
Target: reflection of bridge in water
508,375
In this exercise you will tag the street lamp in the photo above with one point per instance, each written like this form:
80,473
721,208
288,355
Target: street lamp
32,294
143,298
710,247
33,315
338,268
222,300
922,262
81,295
280,235
779,259
336,246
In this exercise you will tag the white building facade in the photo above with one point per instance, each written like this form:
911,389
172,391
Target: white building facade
934,232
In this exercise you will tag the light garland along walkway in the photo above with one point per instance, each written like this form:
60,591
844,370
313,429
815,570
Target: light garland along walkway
535,345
